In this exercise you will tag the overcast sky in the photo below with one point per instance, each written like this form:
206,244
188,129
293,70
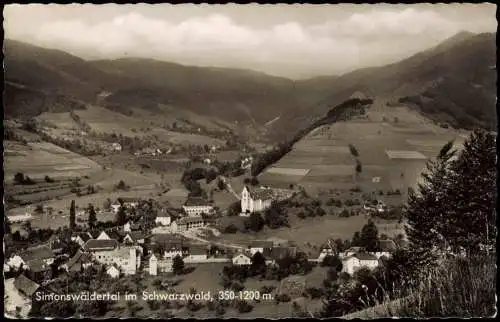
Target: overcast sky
294,41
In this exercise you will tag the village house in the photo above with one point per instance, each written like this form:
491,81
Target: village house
170,245
56,244
163,218
78,262
186,223
26,286
195,206
115,207
160,265
327,249
113,271
130,227
116,146
197,253
353,263
81,238
26,257
275,254
109,252
351,251
130,202
386,248
109,235
134,237
255,200
18,296
241,259
39,271
260,246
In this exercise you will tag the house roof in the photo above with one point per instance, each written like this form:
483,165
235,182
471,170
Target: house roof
129,199
261,244
136,235
277,253
38,265
163,213
260,193
40,252
239,254
196,201
197,250
387,245
354,249
25,285
189,220
83,236
365,256
100,244
168,238
78,258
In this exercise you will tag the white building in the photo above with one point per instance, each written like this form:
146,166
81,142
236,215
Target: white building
103,236
196,206
327,249
188,223
134,237
113,272
163,218
109,252
357,261
241,259
159,265
261,246
255,200
115,206
116,146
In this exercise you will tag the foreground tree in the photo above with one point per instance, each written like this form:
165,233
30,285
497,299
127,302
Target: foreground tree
92,216
178,265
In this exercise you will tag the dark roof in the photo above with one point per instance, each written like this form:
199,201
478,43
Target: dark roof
278,253
196,201
261,193
83,236
365,256
38,265
129,199
197,250
168,238
164,213
186,220
261,244
25,285
100,244
387,245
79,257
354,249
136,235
40,252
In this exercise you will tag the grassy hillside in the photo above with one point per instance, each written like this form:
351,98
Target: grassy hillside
440,82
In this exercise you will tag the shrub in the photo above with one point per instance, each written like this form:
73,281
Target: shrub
48,179
230,229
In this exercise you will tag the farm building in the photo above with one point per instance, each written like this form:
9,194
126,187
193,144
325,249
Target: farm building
260,246
197,253
96,245
78,262
81,238
241,259
163,218
159,265
353,263
25,286
187,223
255,200
130,227
31,256
127,258
196,206
134,237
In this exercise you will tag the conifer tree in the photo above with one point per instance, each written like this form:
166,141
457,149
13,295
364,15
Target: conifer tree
427,207
72,216
92,216
369,237
473,197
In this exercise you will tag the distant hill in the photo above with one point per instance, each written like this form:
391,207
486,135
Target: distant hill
452,83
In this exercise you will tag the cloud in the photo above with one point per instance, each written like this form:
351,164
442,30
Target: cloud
290,48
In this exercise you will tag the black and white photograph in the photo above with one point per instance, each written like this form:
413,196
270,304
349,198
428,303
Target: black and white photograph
218,161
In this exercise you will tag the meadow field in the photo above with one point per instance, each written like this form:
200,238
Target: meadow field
392,145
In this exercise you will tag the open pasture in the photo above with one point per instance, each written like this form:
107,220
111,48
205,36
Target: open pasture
405,154
40,159
289,171
60,120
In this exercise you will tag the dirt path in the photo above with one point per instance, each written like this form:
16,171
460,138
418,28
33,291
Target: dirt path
229,188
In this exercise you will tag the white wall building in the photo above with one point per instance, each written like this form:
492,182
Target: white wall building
113,272
163,218
255,200
241,259
194,207
261,246
157,265
355,262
